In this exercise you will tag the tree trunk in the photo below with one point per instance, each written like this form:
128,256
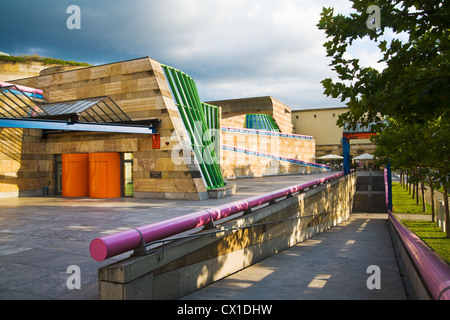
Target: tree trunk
424,207
408,177
432,197
417,193
447,218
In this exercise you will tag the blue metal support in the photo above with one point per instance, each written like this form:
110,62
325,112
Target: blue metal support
346,152
74,126
389,186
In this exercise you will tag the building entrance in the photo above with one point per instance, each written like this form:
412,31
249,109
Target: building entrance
95,175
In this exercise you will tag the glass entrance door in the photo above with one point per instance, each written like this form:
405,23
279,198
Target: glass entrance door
58,174
127,175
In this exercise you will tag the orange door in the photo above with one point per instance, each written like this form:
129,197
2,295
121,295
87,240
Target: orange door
104,175
75,175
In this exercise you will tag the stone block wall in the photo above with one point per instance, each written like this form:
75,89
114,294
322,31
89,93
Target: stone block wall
23,173
140,89
11,71
236,164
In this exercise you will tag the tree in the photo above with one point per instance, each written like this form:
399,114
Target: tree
410,94
418,71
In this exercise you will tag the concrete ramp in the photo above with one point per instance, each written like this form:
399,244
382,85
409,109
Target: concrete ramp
332,265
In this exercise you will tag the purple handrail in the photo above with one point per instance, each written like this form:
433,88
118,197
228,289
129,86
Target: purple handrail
111,245
434,271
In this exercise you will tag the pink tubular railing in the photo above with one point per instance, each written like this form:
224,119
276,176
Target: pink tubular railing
434,271
22,88
111,245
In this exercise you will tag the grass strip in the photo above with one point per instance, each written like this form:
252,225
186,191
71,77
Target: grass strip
428,231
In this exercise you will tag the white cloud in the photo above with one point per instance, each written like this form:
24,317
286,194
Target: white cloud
236,49
232,48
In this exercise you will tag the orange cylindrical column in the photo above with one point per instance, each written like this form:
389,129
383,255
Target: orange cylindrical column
75,175
104,175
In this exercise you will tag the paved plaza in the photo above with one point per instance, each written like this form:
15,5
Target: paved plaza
40,237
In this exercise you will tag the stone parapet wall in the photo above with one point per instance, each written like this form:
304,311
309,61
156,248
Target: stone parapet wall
11,71
236,164
185,265
23,173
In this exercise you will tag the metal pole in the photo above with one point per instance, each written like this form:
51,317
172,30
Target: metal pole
389,185
346,152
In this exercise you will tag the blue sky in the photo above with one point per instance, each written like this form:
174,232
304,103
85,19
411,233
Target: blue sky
232,48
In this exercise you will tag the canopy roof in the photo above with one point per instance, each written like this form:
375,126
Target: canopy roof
364,156
331,156
14,104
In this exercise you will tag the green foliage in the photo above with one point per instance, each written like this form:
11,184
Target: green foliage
37,58
410,93
415,84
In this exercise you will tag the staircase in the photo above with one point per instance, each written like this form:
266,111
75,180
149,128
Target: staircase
370,195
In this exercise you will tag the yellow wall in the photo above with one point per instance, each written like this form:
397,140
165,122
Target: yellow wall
321,124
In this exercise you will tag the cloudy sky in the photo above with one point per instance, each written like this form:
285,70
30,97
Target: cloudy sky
232,48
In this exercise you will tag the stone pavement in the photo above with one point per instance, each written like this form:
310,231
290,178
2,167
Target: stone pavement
40,237
332,265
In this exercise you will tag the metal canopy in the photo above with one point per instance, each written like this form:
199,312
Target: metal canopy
99,110
74,126
15,104
99,114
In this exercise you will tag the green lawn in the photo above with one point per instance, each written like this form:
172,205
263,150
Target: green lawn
432,235
428,231
402,202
